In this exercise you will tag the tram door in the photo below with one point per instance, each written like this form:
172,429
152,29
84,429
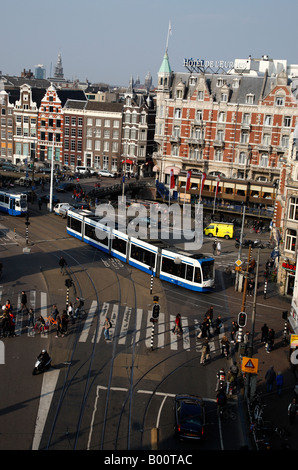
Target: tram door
12,205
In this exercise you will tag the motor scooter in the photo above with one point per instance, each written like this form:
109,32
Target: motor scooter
43,362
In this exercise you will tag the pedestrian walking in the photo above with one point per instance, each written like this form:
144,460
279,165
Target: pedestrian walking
23,302
279,383
59,327
251,266
214,247
292,411
203,327
64,322
55,312
62,264
270,340
225,347
264,333
270,378
205,355
234,329
218,248
246,340
250,287
31,318
107,326
178,327
209,314
39,203
217,325
12,324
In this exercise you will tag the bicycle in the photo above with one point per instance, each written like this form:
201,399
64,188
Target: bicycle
80,313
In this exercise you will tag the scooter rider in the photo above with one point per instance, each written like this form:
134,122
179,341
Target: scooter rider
44,356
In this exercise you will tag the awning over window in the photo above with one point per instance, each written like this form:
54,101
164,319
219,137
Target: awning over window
130,162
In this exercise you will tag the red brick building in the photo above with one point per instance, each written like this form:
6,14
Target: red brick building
235,125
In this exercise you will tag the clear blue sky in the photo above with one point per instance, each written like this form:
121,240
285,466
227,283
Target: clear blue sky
112,40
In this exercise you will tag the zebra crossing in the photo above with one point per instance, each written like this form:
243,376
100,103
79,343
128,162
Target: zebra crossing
134,326
129,326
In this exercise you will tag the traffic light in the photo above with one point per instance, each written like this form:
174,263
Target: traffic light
284,314
155,310
242,319
68,282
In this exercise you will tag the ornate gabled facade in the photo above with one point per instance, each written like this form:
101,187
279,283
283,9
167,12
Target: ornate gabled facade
138,131
25,117
50,127
236,125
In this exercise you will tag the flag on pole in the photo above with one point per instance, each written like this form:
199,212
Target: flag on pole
172,180
203,181
218,180
188,180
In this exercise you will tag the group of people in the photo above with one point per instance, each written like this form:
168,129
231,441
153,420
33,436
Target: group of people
39,324
8,319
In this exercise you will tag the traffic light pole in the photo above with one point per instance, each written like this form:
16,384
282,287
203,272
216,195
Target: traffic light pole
251,380
154,318
242,314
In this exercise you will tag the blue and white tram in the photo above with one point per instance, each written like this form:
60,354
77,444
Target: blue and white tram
193,272
13,203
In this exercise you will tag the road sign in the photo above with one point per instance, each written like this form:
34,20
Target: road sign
250,365
238,268
238,262
294,341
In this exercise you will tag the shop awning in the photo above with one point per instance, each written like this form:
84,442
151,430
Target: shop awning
130,162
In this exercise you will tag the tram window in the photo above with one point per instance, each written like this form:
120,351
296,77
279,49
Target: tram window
4,198
142,255
170,267
198,276
119,244
95,233
207,268
189,272
74,224
90,231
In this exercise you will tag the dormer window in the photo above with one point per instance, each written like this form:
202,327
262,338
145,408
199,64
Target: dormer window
250,98
179,94
219,82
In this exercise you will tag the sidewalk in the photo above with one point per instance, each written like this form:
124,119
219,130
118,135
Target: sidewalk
269,311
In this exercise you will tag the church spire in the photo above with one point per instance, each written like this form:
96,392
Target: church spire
58,73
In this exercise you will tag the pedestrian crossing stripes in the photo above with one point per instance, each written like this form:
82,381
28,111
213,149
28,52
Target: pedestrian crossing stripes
129,326
134,326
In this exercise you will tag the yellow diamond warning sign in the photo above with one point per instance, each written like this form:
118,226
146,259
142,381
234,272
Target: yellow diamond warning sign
250,365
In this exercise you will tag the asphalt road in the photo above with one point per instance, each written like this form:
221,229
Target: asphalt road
115,395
